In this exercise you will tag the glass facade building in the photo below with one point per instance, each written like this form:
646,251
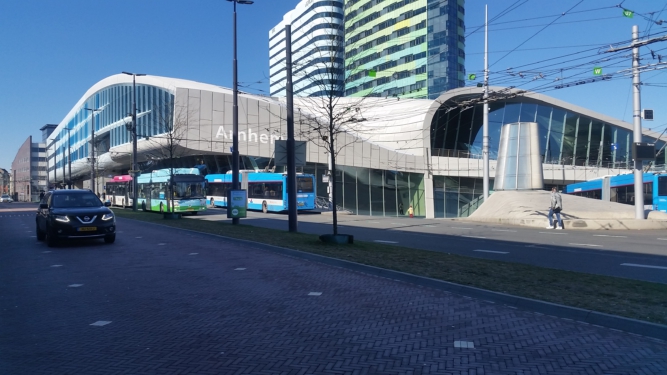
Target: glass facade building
317,50
428,156
566,137
112,116
404,48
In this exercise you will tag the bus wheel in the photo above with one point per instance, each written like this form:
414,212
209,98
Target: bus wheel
265,207
161,208
212,202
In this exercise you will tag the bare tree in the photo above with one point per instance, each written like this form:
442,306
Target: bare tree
328,119
172,121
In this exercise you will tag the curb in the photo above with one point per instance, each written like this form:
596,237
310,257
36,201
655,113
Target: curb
635,326
578,224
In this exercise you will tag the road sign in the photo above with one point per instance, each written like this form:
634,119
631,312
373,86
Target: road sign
597,71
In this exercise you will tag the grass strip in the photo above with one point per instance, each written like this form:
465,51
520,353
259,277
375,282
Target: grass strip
635,299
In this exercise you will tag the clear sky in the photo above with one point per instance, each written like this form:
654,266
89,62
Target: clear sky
51,52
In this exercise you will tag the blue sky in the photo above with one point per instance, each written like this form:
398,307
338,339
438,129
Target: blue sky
52,52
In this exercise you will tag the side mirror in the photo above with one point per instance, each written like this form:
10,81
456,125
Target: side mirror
107,204
43,206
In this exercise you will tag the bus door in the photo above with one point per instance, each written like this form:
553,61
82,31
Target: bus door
147,194
660,192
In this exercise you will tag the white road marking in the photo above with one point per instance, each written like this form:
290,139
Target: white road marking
607,235
373,222
397,223
161,244
138,237
473,236
100,323
75,285
315,293
239,269
502,230
464,344
643,265
539,247
382,241
57,265
552,233
492,251
46,252
193,253
585,244
459,228
662,239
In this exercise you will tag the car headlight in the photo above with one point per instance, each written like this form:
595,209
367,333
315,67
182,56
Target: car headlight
107,217
62,218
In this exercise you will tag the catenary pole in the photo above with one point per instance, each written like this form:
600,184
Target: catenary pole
291,160
485,126
637,129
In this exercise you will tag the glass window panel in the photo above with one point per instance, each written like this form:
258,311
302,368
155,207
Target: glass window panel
451,128
543,117
451,203
528,112
496,114
377,193
390,206
622,150
418,201
596,136
512,112
464,129
581,151
363,192
349,188
477,138
569,135
555,136
439,195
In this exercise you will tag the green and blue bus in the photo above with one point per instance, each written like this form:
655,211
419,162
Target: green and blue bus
266,191
188,191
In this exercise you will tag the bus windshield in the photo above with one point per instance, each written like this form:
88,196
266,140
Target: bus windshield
188,190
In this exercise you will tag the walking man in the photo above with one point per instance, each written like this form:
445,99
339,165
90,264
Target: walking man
556,207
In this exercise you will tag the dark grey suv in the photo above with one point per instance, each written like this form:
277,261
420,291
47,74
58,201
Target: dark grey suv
74,214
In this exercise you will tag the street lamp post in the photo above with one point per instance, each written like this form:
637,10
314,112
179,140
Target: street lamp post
134,170
235,114
69,160
92,147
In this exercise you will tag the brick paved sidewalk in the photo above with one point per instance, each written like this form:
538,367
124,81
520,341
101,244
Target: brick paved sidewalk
185,303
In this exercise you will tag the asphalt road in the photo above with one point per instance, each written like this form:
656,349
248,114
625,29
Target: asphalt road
640,255
166,301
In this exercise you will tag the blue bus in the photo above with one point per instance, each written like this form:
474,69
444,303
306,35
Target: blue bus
621,189
266,191
188,191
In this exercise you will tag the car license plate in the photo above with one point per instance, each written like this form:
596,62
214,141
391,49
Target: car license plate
87,229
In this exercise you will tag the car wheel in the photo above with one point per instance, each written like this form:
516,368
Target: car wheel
51,239
110,238
40,235
265,207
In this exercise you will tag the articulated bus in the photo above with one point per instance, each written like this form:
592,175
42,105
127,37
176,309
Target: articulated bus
119,191
621,189
266,191
188,192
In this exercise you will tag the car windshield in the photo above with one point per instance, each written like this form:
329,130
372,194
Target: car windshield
76,200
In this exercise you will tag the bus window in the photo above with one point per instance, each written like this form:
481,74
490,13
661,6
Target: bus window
304,185
662,186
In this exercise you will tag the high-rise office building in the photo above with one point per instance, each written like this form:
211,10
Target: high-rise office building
404,48
317,50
